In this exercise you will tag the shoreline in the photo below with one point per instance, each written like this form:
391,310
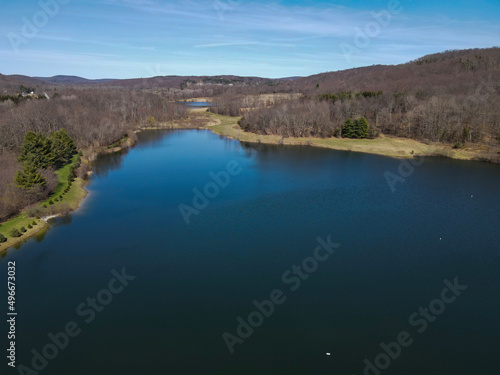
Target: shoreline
69,203
394,147
42,222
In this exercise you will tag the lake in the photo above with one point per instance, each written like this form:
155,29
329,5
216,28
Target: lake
196,104
188,234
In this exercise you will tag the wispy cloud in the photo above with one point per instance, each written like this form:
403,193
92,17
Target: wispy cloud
242,43
57,56
275,38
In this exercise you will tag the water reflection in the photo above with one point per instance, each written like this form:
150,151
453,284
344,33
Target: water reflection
108,163
41,234
61,220
151,137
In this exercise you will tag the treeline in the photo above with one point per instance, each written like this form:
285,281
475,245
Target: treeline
344,95
16,99
306,118
92,117
233,103
299,118
457,119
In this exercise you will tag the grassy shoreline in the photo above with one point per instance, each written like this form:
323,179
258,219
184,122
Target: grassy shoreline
70,200
386,146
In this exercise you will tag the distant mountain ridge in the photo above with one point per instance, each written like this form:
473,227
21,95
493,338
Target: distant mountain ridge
71,80
11,82
454,71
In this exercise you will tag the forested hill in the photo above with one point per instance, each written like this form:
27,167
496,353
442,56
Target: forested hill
9,84
454,72
72,80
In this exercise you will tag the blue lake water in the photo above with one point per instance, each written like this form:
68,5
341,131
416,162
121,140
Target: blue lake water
196,104
193,281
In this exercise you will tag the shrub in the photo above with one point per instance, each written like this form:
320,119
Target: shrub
15,233
151,120
30,226
50,202
457,145
37,216
33,223
32,212
72,171
23,229
2,238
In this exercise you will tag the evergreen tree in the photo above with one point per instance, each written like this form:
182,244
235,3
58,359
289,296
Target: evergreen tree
372,134
361,127
62,147
348,129
2,238
36,150
356,129
29,177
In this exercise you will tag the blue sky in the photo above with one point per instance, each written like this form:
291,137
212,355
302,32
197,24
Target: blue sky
144,38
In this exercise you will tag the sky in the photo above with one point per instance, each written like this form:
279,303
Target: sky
274,39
